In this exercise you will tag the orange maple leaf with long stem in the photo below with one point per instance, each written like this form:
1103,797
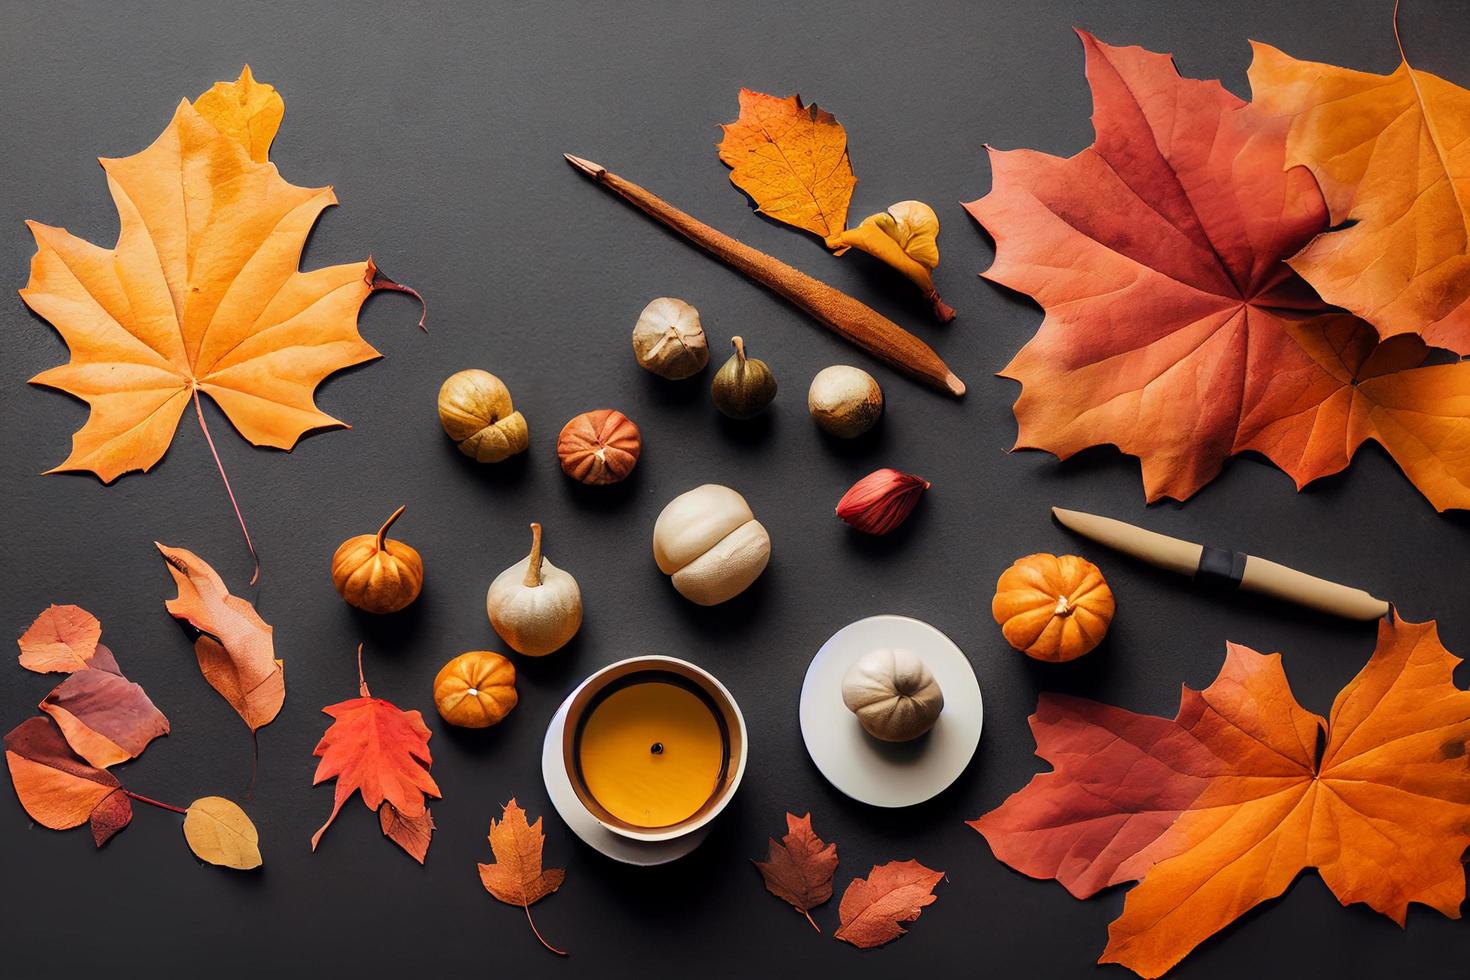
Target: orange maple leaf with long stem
202,293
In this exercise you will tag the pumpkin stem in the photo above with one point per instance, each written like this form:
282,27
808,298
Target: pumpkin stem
383,531
1064,606
739,345
533,562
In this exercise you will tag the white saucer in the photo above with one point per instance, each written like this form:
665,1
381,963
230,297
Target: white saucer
887,773
585,826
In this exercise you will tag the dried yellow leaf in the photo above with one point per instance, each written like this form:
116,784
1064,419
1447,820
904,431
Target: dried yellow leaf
219,832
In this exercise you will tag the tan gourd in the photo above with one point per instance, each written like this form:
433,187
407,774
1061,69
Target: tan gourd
533,605
893,694
377,574
475,411
710,544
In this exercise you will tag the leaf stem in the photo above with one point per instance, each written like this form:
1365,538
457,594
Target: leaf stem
199,410
362,687
808,914
539,937
152,802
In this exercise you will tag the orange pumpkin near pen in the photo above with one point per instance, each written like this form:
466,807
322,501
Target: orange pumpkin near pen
1053,608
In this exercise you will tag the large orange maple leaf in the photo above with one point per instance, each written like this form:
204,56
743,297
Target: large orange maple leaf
1174,328
1220,808
202,293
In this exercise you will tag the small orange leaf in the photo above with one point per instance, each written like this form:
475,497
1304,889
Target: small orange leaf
1221,807
59,790
799,869
413,834
381,751
516,876
236,652
61,640
792,161
872,907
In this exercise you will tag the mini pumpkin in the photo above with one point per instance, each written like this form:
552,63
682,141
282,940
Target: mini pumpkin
893,694
377,574
599,447
1053,608
476,689
533,605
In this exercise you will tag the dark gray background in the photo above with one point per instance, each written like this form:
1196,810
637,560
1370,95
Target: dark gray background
442,127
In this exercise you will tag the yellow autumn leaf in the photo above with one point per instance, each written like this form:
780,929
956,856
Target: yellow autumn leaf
219,832
906,237
791,159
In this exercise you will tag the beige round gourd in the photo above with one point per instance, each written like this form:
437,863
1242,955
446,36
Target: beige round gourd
534,606
893,694
710,544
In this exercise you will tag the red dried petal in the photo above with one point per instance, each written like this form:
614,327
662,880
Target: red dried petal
881,501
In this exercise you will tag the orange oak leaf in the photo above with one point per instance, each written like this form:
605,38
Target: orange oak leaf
872,908
791,159
1174,329
413,834
1392,156
381,751
235,650
202,293
105,718
1221,807
59,790
800,867
61,640
516,876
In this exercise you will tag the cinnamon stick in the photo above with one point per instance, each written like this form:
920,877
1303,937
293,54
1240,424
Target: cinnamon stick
850,319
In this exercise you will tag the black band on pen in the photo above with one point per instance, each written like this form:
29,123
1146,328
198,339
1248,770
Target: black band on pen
1219,568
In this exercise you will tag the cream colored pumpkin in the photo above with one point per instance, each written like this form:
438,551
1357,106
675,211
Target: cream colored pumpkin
533,605
710,544
893,694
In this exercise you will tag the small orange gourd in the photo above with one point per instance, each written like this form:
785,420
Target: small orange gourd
476,689
1053,608
377,574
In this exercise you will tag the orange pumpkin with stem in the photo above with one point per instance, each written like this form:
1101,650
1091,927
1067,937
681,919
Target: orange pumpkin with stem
476,689
1053,608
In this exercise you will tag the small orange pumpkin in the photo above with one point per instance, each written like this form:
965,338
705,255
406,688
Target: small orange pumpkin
476,689
376,573
1052,608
